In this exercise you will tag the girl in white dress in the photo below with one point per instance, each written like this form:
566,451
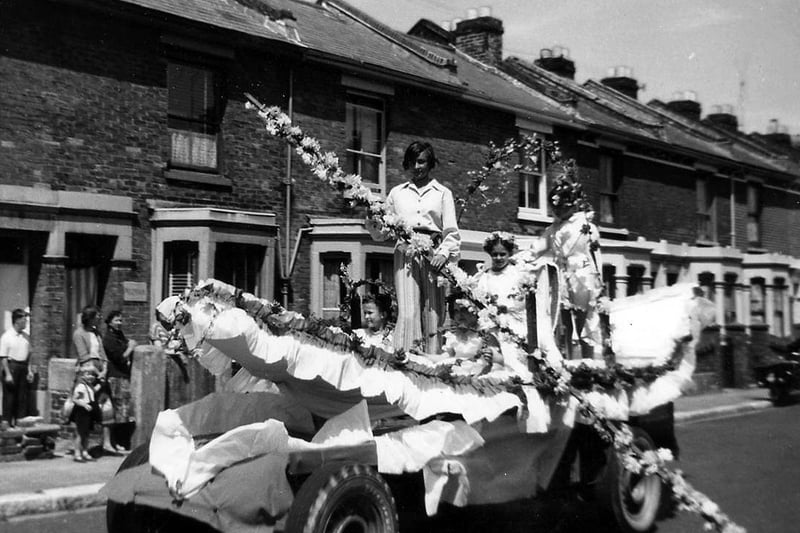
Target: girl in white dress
377,330
573,241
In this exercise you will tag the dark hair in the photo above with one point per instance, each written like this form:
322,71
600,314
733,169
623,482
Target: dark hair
89,315
18,313
112,315
414,150
506,240
382,301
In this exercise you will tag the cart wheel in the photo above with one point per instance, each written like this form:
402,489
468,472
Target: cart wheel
343,498
632,499
121,517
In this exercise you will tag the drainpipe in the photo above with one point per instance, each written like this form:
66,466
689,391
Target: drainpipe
288,184
733,212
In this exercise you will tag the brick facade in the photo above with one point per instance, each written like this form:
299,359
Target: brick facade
84,109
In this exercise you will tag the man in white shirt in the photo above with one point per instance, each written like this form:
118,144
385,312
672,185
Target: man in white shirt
14,352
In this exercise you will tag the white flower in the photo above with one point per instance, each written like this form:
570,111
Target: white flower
665,455
709,508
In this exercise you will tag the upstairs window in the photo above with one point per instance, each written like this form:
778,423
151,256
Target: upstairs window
533,183
194,115
366,150
753,215
610,178
706,219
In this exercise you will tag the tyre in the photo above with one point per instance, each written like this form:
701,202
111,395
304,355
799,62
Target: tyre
632,500
120,517
343,498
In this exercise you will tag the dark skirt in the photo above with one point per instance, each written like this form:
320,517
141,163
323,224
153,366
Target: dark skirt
120,389
84,420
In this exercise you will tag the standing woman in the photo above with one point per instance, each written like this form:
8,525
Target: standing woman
91,353
427,207
119,351
574,242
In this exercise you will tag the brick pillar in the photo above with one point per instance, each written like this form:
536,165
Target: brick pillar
736,366
137,315
147,390
47,325
759,350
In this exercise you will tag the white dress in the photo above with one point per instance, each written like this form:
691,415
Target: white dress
382,339
503,287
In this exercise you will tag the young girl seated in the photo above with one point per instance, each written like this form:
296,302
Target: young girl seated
475,353
377,330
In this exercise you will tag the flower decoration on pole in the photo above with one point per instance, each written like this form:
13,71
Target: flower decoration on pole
527,151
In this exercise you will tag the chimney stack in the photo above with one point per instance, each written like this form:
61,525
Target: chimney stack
480,35
685,103
557,61
722,116
621,79
778,134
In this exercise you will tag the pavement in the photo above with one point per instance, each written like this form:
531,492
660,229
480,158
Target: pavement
60,484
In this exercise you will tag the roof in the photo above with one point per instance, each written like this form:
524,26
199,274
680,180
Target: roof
607,109
336,31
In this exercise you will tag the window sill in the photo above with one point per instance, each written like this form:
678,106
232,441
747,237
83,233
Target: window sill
533,215
752,249
203,178
705,243
613,231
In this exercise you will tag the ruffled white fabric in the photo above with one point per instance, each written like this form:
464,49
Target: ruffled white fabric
233,333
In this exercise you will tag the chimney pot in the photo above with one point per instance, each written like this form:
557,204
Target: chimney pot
685,103
621,79
485,11
556,60
445,24
472,13
723,117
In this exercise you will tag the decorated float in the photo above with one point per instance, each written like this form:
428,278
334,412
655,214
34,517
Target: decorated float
319,431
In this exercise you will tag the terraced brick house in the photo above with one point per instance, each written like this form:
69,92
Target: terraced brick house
130,169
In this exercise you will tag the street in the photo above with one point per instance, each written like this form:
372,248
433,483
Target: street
749,464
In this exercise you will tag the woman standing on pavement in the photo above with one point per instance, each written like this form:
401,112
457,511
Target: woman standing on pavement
427,207
119,351
91,354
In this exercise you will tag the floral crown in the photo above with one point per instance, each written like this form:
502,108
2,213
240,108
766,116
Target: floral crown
500,237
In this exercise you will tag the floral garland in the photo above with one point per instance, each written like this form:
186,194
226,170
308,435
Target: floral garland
320,333
326,167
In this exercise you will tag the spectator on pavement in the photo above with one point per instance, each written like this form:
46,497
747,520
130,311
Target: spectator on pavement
91,354
16,372
119,351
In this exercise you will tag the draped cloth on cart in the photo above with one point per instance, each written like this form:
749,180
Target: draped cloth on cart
506,446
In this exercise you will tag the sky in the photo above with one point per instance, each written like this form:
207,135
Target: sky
745,53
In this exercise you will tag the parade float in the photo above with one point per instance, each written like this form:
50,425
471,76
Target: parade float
320,432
